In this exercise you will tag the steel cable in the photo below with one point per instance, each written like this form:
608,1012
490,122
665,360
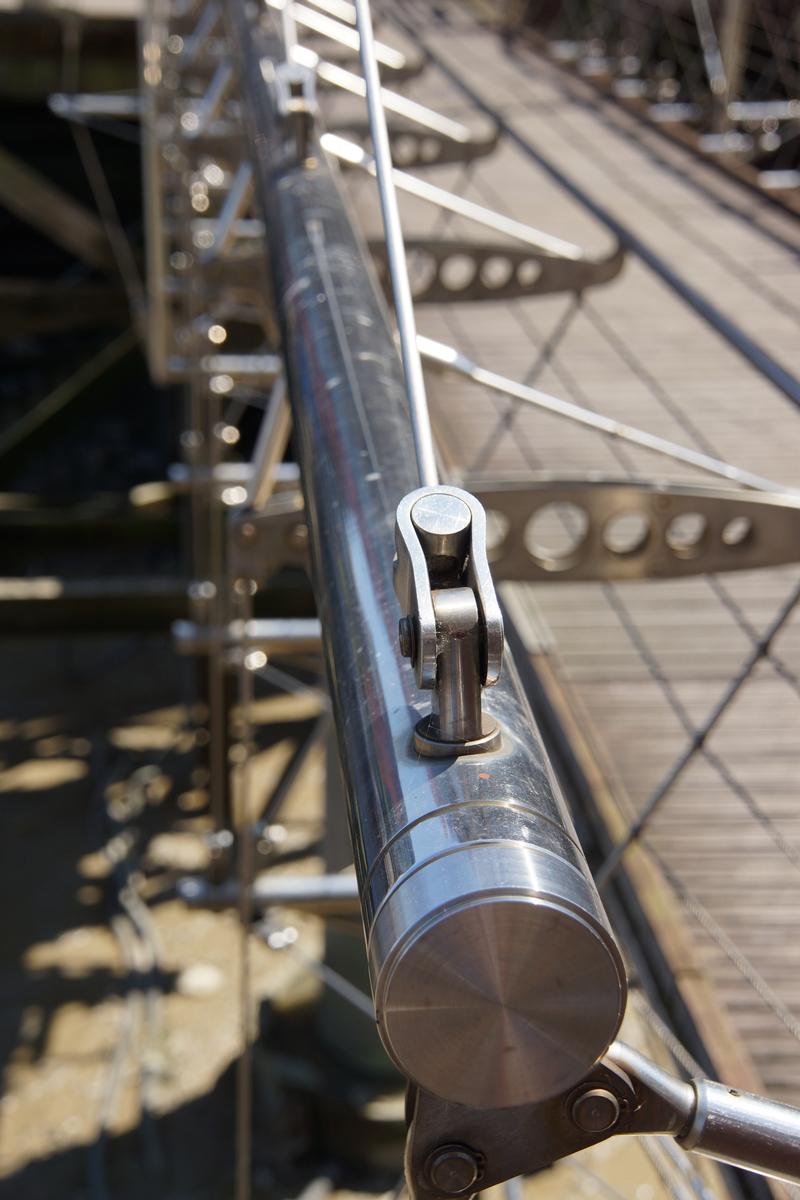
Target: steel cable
396,254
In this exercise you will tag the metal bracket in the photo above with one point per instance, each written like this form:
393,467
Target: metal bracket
422,147
452,629
600,529
445,270
442,271
592,530
264,542
296,93
454,1151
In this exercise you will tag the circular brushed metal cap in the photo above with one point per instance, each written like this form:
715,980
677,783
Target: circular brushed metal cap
505,998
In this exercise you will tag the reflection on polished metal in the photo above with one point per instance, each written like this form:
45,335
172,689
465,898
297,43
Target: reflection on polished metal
607,529
477,902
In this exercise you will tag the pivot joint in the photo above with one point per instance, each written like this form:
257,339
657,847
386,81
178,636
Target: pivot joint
452,629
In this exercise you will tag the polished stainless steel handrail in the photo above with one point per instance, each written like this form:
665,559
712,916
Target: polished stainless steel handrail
479,909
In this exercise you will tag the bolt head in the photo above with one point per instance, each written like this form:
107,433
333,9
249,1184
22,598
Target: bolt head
441,515
453,1170
595,1110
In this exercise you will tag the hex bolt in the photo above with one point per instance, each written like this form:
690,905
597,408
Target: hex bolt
453,1170
595,1110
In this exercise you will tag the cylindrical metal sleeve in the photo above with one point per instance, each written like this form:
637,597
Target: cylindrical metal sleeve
496,978
748,1131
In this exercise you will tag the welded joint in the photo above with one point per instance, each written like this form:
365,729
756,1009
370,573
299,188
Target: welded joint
452,629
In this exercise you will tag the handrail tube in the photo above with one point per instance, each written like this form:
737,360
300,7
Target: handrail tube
495,975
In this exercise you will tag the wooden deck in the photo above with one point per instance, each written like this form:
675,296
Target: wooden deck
646,662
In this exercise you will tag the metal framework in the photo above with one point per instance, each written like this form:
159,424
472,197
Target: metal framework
720,74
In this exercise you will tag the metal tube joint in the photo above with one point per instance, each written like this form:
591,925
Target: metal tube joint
452,629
